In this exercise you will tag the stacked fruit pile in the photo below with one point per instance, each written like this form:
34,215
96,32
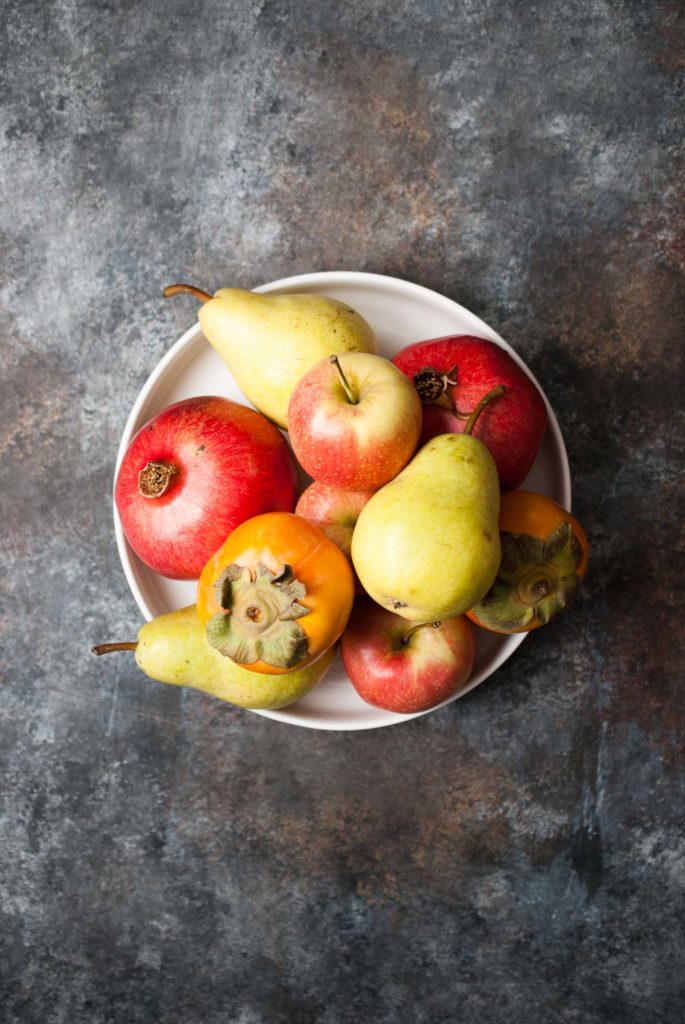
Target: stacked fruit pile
402,538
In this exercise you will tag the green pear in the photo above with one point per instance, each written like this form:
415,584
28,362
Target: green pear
173,649
427,544
269,341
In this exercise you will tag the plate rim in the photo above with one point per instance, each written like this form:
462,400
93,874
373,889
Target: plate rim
332,277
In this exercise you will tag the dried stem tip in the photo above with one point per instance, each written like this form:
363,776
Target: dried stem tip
154,479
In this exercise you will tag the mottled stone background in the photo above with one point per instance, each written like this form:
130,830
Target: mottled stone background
517,857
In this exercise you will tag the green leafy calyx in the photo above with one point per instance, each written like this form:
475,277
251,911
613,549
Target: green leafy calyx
535,581
258,621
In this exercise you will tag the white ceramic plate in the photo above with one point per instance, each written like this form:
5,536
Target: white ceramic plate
399,313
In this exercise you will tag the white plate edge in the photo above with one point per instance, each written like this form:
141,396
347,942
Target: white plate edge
513,641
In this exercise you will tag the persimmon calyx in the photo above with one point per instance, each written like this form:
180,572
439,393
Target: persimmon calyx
535,581
258,621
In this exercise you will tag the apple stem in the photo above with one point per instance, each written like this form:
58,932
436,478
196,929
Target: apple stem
485,400
155,477
421,625
183,289
130,645
343,379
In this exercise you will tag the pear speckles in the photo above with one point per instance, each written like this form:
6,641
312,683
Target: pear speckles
421,544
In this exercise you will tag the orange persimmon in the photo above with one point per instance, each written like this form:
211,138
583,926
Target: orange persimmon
276,595
544,558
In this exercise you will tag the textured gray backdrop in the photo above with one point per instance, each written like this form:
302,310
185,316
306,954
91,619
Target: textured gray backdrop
514,858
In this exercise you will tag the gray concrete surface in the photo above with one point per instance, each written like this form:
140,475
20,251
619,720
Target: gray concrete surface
517,857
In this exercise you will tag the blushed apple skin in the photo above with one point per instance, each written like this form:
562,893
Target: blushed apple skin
397,667
357,447
232,465
333,510
512,428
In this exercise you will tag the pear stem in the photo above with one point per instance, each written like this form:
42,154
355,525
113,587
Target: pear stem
183,289
421,625
343,380
130,645
485,400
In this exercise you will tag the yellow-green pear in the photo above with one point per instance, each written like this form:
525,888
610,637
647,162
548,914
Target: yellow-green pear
269,341
173,649
427,544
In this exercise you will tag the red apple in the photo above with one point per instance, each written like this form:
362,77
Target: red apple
354,421
192,474
453,373
333,510
403,666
